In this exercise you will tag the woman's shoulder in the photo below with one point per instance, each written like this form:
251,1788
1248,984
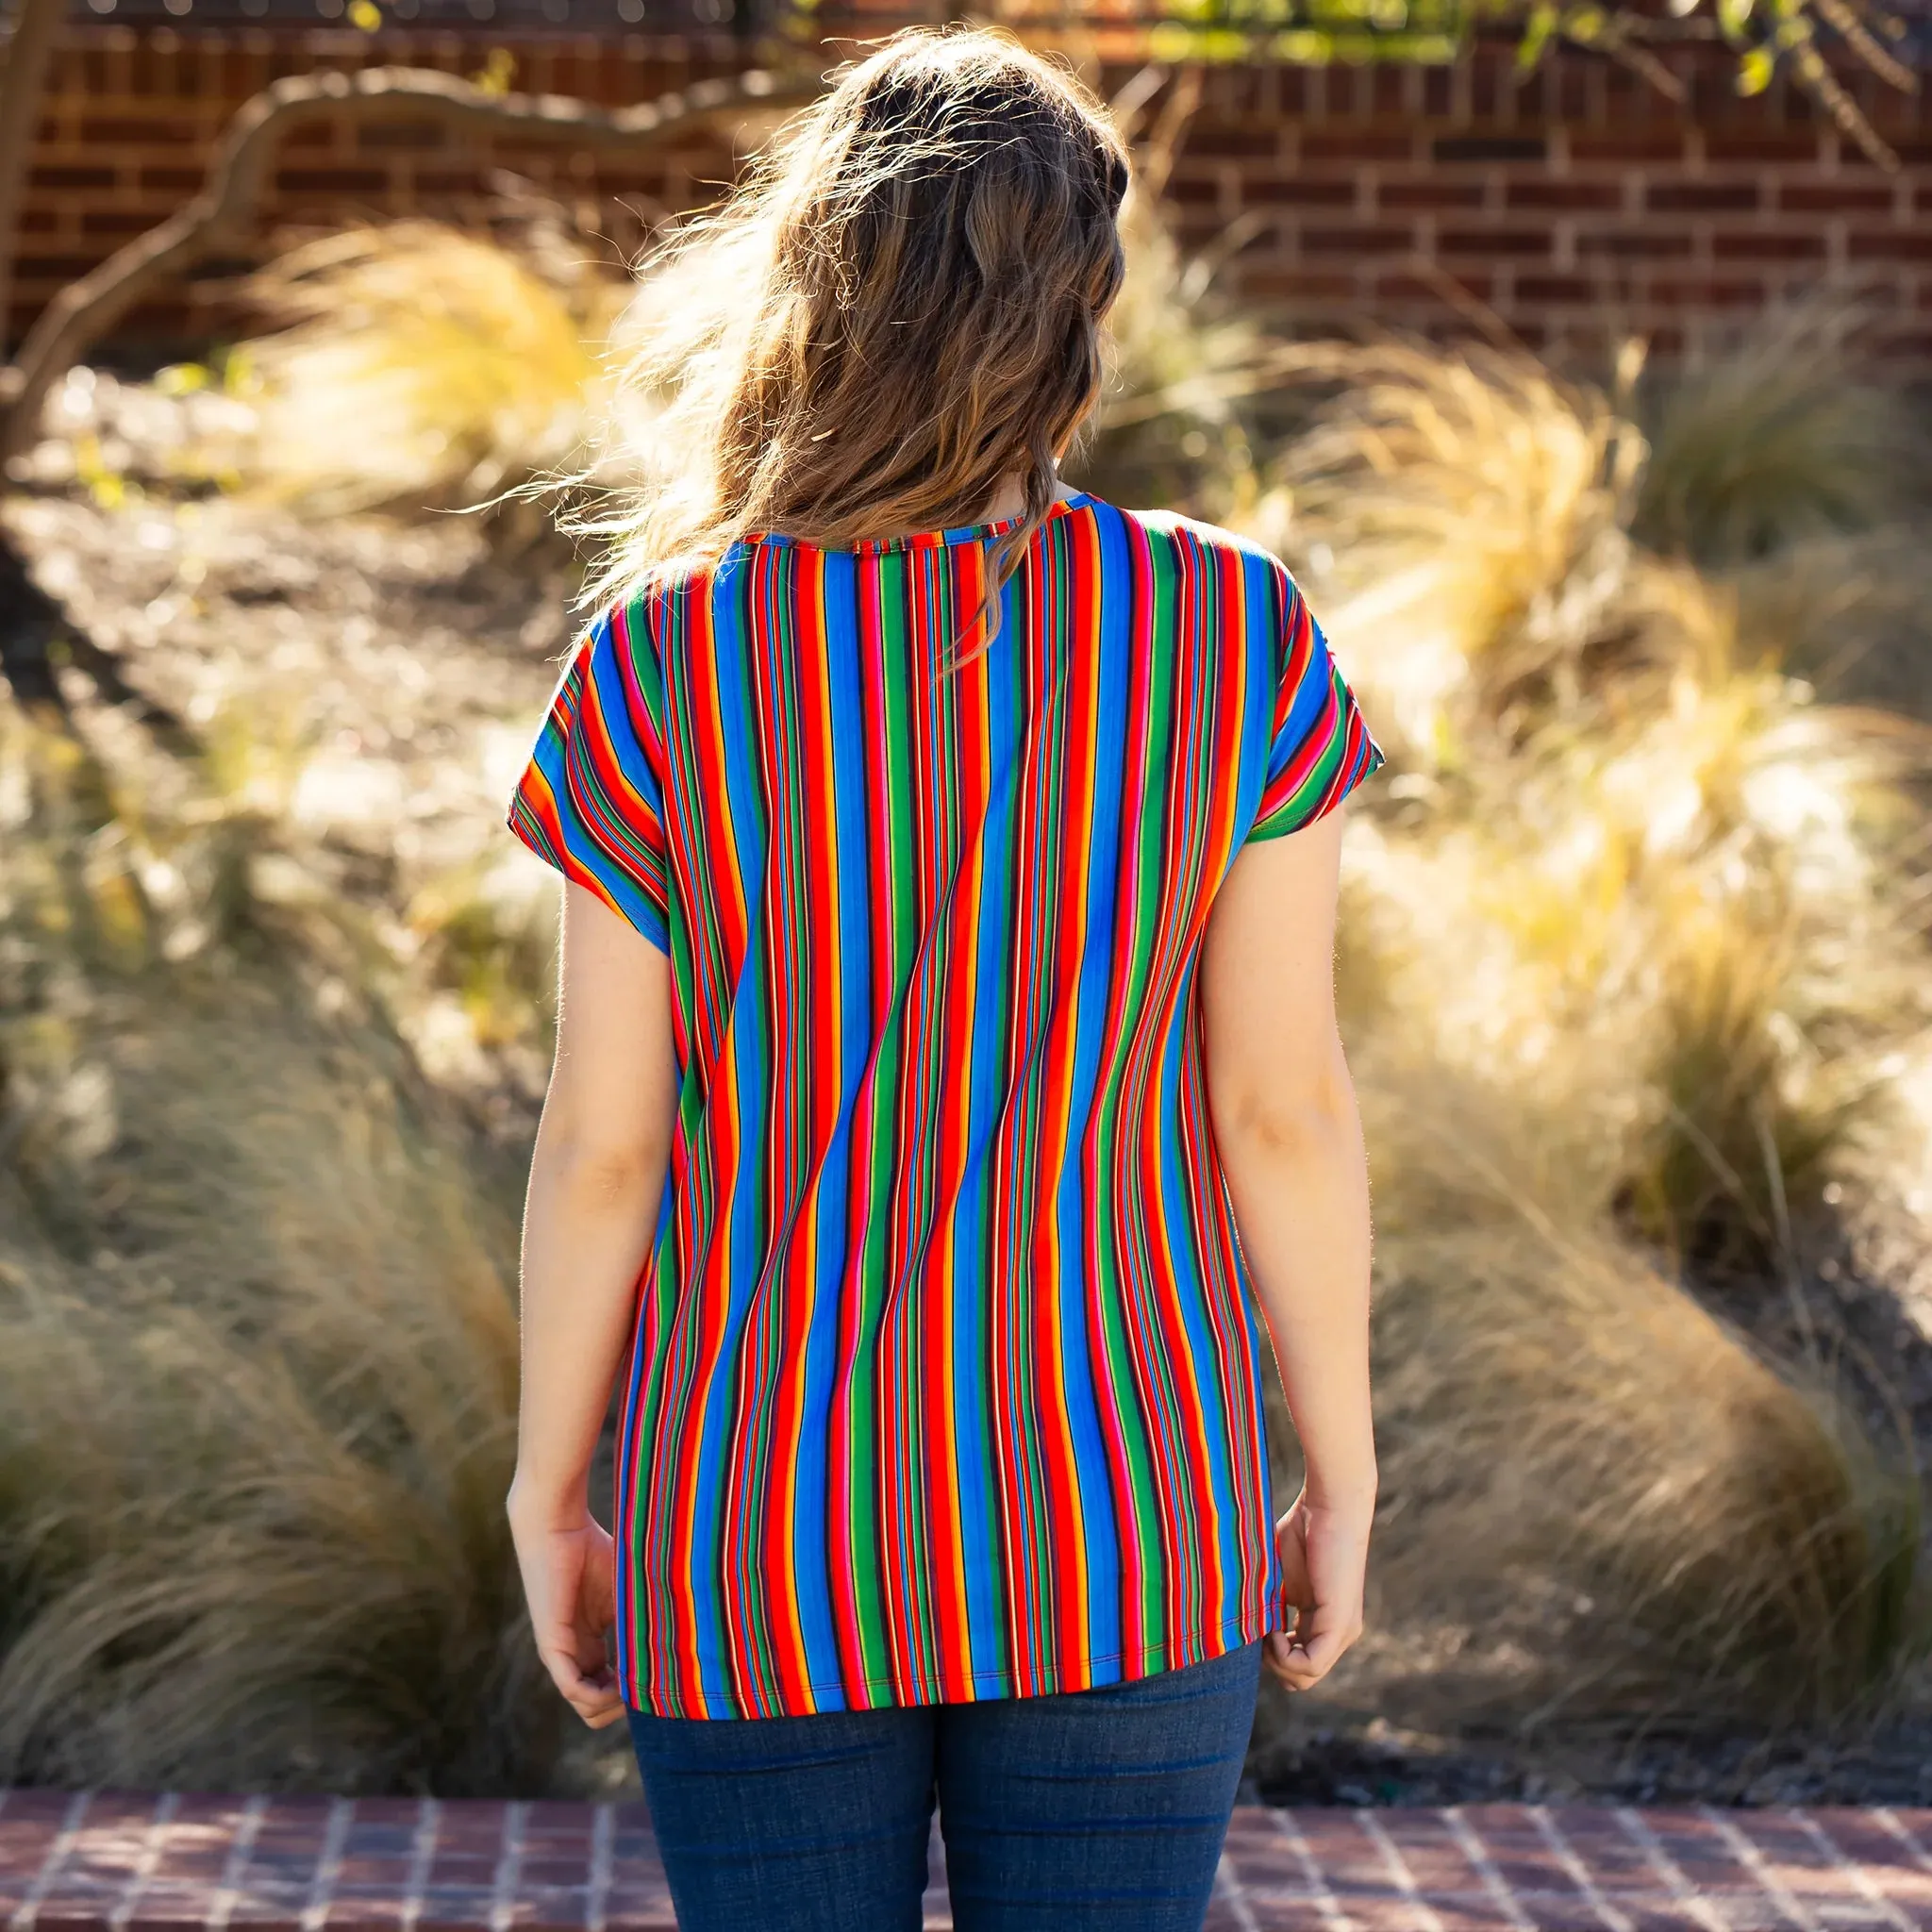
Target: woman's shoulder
1174,527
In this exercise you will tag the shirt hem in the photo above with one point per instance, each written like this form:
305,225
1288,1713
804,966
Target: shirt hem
1177,1653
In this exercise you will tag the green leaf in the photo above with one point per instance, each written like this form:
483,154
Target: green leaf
1537,30
1754,70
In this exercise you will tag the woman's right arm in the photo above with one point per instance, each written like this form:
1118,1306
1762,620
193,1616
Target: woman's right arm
596,1176
1290,1145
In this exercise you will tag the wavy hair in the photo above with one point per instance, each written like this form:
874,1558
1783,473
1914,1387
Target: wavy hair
901,307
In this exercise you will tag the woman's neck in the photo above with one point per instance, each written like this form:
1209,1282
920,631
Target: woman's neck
1009,498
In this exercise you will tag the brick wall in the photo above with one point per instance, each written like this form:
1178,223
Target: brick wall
1563,202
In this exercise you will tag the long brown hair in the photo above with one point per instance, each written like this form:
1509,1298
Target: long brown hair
901,307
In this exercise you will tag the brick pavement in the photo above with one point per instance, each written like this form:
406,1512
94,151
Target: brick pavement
144,1863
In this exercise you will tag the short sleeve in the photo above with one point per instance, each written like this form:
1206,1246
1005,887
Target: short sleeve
590,800
1318,746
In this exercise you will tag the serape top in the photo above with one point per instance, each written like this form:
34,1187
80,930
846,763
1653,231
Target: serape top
945,1376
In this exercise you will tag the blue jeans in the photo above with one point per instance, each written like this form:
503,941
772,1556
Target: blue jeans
1090,1809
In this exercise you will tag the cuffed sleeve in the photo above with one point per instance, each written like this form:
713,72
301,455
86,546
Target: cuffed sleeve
1319,748
590,800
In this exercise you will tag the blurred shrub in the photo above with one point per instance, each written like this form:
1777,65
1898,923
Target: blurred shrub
463,370
258,1348
1635,979
1610,1512
1779,437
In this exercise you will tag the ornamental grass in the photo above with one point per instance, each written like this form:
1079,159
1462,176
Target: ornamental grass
1633,976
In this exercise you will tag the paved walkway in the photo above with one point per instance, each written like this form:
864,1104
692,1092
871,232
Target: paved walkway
159,1864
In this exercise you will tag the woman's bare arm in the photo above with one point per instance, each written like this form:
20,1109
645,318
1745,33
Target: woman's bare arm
595,1179
1291,1143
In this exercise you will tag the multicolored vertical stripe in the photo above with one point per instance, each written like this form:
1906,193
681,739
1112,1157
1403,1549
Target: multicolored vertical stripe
945,1381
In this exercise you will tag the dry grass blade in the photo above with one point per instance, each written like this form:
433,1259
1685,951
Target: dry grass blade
1637,1522
1779,439
1461,519
461,368
258,1372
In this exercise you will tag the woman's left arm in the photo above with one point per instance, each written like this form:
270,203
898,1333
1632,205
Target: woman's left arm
596,1176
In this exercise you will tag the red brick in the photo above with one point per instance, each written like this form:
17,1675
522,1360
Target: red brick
1833,197
1516,244
1298,193
1323,145
1904,244
52,270
1702,198
127,130
1414,288
112,222
1636,244
1702,291
412,135
71,176
1296,284
1635,146
1233,143
449,180
1187,190
1558,289
1767,145
332,180
1387,90
1563,194
1454,149
1428,194
1360,241
1750,246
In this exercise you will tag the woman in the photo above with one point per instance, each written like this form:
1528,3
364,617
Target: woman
951,870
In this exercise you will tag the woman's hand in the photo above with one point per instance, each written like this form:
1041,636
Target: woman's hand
570,1586
1324,1560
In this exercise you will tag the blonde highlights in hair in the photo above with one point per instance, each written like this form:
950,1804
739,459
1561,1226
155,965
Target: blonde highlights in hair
901,308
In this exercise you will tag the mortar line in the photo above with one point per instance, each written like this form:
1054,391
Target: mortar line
1469,1842
502,1891
328,1863
1580,1874
1326,1901
1861,1879
152,1839
28,1910
1430,1919
603,1862
422,1857
1681,1890
228,1887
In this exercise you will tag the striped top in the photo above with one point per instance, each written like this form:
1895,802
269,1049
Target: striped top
945,1378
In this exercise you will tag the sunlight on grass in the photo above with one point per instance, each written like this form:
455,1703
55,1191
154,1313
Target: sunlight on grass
258,1355
1633,971
419,365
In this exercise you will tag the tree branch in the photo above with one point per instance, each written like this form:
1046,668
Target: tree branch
28,49
84,309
